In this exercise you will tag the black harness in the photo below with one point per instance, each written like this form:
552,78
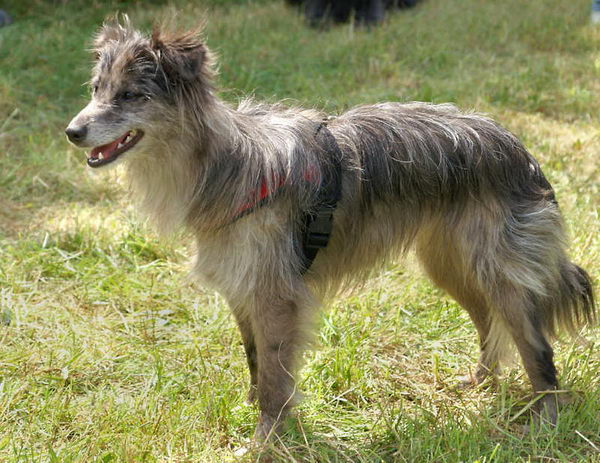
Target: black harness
318,223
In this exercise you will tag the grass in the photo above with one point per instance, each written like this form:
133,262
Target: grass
108,354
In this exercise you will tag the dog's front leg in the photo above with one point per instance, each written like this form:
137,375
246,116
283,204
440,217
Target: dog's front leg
245,326
277,335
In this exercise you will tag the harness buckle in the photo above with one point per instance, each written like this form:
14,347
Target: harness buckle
318,227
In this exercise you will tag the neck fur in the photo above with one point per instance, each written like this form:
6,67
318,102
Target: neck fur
200,174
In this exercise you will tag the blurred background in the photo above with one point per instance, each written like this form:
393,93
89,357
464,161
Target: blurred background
108,353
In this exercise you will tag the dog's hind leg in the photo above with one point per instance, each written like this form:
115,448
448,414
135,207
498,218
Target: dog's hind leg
498,305
521,316
442,263
530,285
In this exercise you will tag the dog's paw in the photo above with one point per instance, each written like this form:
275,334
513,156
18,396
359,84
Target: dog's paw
545,411
472,381
267,427
544,414
466,382
481,377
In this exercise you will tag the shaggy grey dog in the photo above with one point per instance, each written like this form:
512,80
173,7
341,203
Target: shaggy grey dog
455,186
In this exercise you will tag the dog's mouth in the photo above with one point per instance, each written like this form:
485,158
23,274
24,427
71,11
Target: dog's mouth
105,154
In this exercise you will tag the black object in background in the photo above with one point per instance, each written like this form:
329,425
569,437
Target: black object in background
365,12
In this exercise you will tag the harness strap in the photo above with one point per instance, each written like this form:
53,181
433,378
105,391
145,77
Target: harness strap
318,223
318,220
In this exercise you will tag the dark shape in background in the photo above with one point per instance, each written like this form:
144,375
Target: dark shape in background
5,18
366,12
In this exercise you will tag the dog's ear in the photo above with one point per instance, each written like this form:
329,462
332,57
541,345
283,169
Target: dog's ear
182,56
105,34
113,29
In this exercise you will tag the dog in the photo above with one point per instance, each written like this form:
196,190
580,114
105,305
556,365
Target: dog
366,12
454,186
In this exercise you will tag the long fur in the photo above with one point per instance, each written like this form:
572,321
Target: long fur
461,190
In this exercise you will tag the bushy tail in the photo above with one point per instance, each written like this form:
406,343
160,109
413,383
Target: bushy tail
575,304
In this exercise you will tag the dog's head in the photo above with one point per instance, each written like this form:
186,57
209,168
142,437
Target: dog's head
137,83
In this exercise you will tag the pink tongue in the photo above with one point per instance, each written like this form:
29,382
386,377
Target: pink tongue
108,149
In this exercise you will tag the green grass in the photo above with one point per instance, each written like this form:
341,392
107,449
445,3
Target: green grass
108,354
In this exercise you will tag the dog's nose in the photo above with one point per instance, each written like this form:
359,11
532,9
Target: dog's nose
76,134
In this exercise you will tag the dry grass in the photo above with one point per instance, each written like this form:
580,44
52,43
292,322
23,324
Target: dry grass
107,353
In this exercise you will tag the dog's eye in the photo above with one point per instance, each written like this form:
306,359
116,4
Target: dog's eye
128,96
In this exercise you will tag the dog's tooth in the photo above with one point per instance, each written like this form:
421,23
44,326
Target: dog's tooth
120,145
100,156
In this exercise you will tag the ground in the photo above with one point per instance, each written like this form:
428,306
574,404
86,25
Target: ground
108,353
